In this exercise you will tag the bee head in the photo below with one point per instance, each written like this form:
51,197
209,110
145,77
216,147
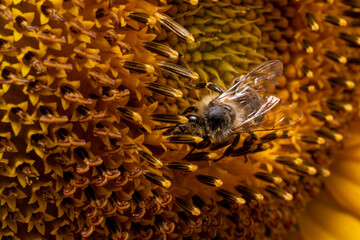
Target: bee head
218,121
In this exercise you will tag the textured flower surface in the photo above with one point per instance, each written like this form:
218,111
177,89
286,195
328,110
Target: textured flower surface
89,90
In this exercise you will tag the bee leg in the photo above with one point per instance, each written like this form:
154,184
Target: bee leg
190,109
231,148
205,143
210,86
253,136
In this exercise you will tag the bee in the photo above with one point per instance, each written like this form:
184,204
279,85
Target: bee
220,118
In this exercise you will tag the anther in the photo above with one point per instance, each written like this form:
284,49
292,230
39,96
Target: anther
279,193
130,114
268,177
322,116
328,133
175,27
307,71
184,139
338,21
338,105
336,57
341,81
309,88
156,179
169,118
231,197
307,46
289,161
201,156
312,22
178,70
161,49
164,90
188,206
138,67
249,193
142,17
312,139
209,180
305,169
182,166
149,158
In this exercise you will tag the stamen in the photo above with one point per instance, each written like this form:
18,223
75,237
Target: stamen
184,139
307,46
161,49
164,90
169,118
307,71
338,105
149,158
130,114
175,27
341,81
268,177
210,180
178,70
336,57
142,17
231,197
336,20
201,156
188,206
156,179
309,88
312,139
138,67
249,193
312,22
305,169
322,116
328,133
279,193
289,161
182,166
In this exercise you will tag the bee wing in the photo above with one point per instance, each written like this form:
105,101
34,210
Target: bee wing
263,79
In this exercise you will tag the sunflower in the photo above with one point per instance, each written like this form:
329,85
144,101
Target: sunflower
88,89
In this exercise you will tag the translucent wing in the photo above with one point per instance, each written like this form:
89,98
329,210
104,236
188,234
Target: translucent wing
263,78
251,94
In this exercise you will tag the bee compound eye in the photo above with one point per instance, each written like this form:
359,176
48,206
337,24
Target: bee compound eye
228,108
192,118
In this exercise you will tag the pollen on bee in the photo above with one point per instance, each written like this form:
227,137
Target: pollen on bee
182,166
210,180
156,179
178,70
149,158
279,193
164,90
249,193
169,118
161,49
188,206
138,67
175,27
